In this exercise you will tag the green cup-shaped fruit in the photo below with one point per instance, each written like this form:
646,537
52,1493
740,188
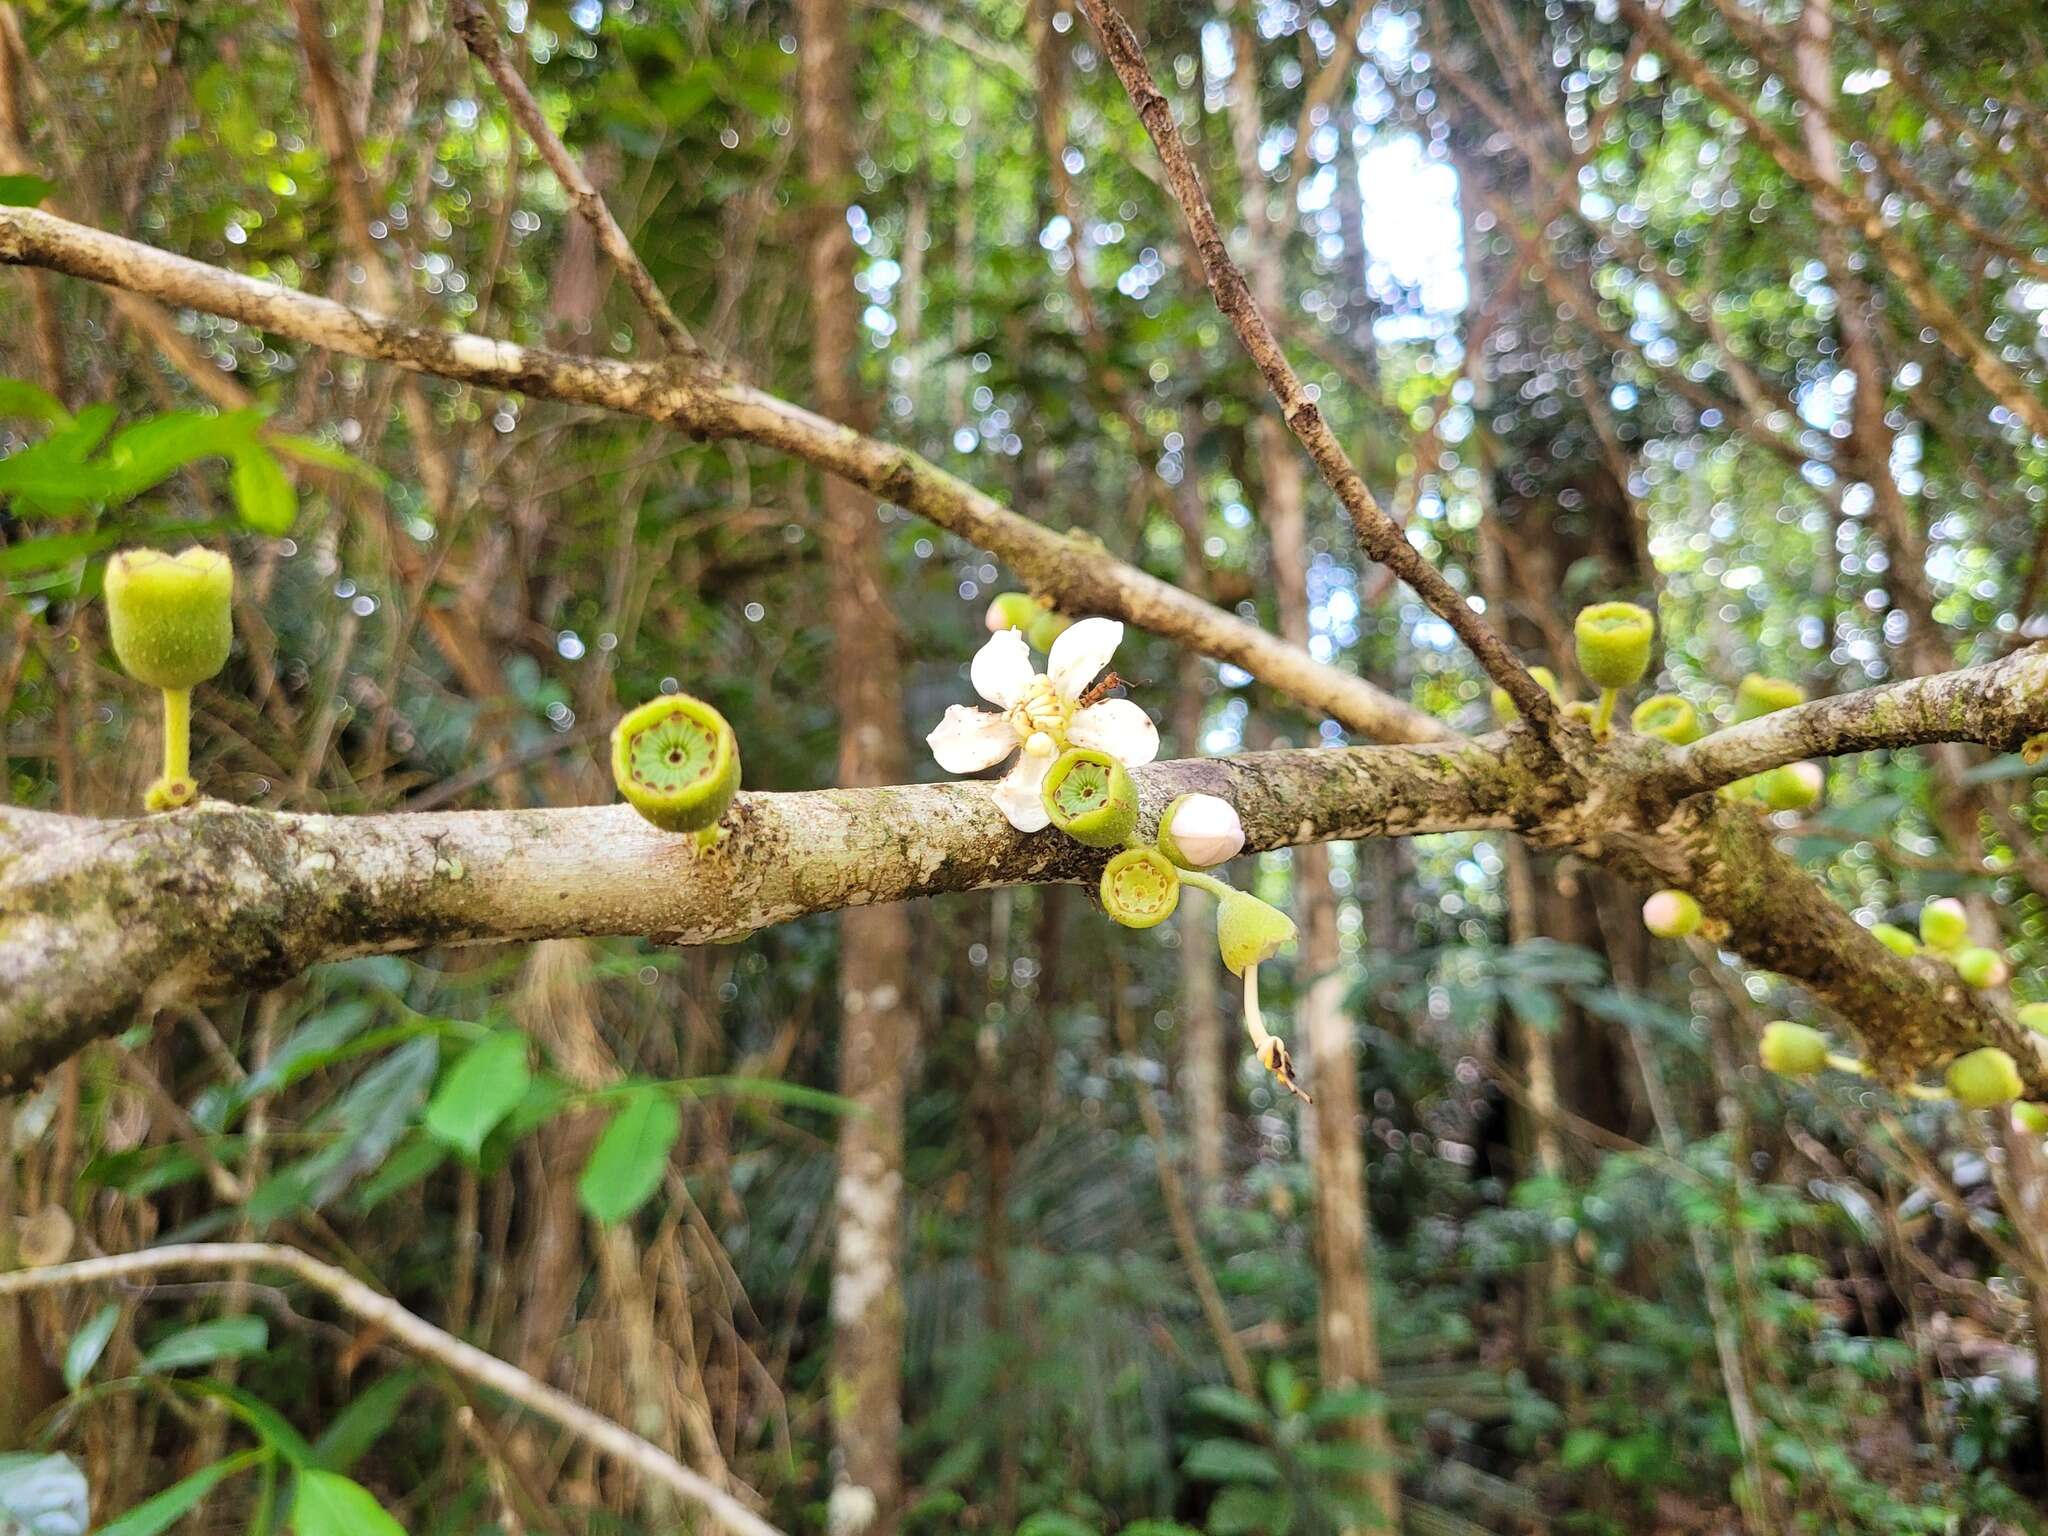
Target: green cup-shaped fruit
2035,1017
1614,643
1758,695
1793,787
1671,914
1248,932
1013,610
1504,707
677,762
1984,1078
1895,939
1201,831
171,617
1090,797
2031,1118
1046,628
1140,887
1793,1050
1980,967
1944,925
1668,716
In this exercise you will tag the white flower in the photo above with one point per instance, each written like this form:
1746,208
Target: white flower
1041,713
1205,829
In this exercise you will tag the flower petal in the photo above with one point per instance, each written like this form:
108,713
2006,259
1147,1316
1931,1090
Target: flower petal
1118,727
1017,795
1001,670
1080,654
969,740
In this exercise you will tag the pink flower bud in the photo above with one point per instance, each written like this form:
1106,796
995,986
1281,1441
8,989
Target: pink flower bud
1201,831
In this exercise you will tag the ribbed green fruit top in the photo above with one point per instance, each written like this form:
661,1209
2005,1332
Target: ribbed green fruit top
171,617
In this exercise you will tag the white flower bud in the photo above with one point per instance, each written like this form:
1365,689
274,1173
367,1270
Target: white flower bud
1201,831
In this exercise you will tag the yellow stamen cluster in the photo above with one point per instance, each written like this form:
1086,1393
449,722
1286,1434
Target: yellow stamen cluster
1042,710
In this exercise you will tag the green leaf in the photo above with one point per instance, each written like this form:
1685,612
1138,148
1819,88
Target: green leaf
1581,1447
265,1421
310,450
626,1165
167,1508
27,401
24,191
328,1504
1050,1522
221,1338
41,1496
416,1157
1229,1461
480,1090
1227,1403
368,1415
87,1345
264,494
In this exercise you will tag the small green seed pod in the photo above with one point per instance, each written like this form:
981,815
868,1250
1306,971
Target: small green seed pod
1013,610
1249,932
1944,925
1895,939
1668,716
1090,797
1613,642
171,617
1792,787
1504,707
1201,831
1140,888
1793,1050
1045,629
677,762
2034,1016
1671,914
1757,695
1985,1079
1980,967
2031,1118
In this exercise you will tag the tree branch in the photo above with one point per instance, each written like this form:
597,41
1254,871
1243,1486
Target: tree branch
691,396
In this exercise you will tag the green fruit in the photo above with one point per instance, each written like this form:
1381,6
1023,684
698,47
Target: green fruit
171,617
1140,888
1944,925
1248,932
1793,1050
1758,695
1671,914
1984,1079
1504,707
1668,716
2032,1118
1013,610
1895,939
1090,797
1045,629
2035,1017
1614,643
1980,967
1794,787
677,762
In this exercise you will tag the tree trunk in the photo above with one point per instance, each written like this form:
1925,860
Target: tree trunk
877,1031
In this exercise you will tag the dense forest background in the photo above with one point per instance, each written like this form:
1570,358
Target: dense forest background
977,1215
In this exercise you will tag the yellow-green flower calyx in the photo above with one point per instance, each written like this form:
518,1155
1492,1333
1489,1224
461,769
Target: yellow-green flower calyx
1668,716
171,617
1090,797
1793,1050
1140,887
677,762
1613,641
1984,1079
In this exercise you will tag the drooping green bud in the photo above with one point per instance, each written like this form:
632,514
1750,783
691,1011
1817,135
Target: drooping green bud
1671,914
1668,716
1140,887
1944,925
171,617
1984,1079
677,762
2035,1017
1895,939
1504,706
1793,787
1249,932
1013,610
1613,642
1793,1050
2031,1118
1757,695
1090,797
1045,629
1980,967
1201,831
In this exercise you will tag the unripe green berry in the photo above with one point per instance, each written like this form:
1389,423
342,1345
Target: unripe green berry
2031,1118
1793,787
1984,1079
2035,1017
1504,706
1758,695
1013,610
1090,797
1201,831
1944,925
1045,629
1668,716
1140,887
1980,967
677,762
1671,914
1248,932
171,617
1793,1050
1895,939
1614,643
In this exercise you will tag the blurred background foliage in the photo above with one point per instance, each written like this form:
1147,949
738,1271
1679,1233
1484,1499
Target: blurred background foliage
1584,344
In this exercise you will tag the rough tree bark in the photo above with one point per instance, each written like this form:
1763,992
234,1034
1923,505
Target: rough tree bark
878,1031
